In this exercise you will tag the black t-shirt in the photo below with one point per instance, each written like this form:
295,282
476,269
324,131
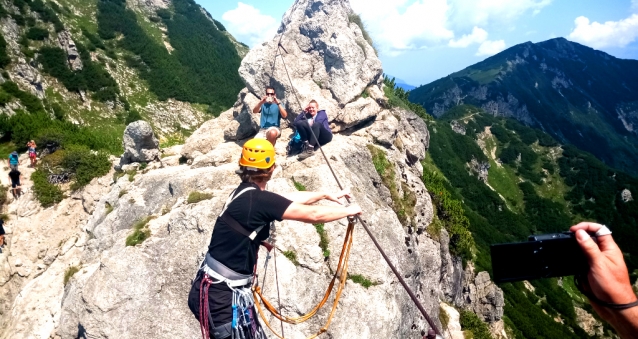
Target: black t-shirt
252,209
14,175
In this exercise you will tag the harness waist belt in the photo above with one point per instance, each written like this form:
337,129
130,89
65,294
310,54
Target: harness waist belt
223,331
220,272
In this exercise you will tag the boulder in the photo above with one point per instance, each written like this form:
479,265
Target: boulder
625,195
384,131
140,144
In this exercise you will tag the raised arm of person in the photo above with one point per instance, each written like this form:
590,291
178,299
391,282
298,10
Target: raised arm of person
307,198
257,107
282,110
608,279
317,214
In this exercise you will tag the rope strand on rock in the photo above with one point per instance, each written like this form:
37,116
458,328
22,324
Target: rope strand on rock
364,224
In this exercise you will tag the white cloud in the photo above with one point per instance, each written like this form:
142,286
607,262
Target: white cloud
478,36
609,34
247,24
488,47
401,25
468,13
397,26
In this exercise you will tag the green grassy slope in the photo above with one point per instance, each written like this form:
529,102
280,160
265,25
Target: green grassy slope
547,189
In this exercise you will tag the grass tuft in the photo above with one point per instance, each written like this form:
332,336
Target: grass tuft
324,240
108,209
292,256
195,197
140,232
68,274
361,280
299,186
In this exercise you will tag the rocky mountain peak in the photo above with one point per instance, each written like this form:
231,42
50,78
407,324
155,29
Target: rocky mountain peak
326,56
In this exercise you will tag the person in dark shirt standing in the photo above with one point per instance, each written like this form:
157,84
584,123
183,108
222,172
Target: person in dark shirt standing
15,176
226,274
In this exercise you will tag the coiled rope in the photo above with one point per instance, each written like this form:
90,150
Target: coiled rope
358,218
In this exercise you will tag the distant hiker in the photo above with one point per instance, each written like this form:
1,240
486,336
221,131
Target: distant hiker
32,155
312,120
15,176
271,111
2,233
14,160
220,297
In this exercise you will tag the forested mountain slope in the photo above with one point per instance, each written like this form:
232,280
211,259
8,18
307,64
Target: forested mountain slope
578,95
514,181
76,71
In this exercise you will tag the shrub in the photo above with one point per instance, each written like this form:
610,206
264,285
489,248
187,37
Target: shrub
324,241
3,194
133,115
471,322
140,232
37,33
361,280
69,273
195,197
85,164
108,209
131,175
4,216
122,192
46,193
292,256
4,57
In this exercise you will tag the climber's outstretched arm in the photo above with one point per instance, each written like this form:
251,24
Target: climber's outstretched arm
317,214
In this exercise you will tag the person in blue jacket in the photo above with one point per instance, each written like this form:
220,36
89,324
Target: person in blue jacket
313,120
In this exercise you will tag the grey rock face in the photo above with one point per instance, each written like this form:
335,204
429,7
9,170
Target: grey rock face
625,195
482,296
140,144
68,45
457,127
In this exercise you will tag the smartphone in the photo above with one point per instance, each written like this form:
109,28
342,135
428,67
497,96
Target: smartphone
542,256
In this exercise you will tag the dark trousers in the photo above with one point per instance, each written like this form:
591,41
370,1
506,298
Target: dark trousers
305,133
220,299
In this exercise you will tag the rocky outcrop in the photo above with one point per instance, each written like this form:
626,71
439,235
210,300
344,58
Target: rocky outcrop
328,60
625,195
140,144
457,127
483,296
68,45
479,169
588,323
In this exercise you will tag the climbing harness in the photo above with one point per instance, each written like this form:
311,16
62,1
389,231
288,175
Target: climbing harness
244,324
358,218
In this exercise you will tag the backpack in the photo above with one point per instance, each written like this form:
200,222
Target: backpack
295,146
14,158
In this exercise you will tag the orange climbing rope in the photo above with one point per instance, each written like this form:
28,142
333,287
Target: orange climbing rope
341,273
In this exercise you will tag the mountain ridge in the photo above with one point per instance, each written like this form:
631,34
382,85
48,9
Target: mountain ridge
543,85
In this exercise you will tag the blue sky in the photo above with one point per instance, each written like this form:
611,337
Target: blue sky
420,41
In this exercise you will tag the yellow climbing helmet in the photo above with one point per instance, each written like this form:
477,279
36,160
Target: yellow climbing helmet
257,154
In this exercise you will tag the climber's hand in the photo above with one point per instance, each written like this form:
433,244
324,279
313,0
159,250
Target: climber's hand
336,196
354,209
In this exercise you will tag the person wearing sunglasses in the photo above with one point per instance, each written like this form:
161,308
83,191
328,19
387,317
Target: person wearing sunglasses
271,111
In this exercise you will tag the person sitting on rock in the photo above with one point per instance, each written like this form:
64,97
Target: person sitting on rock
15,176
222,284
271,111
312,120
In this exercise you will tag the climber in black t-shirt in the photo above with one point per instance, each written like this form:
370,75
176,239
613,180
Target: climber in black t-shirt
227,272
15,176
